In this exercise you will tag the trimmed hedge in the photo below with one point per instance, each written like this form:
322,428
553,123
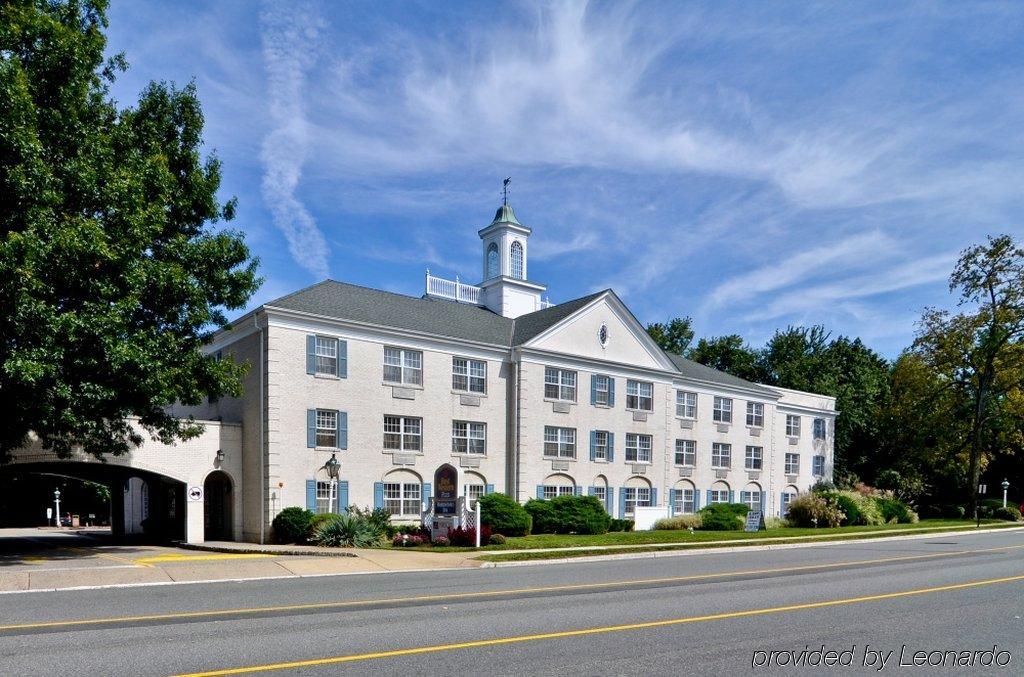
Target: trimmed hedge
504,515
292,525
722,517
621,525
1010,513
568,515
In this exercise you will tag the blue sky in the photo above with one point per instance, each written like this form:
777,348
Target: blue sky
752,165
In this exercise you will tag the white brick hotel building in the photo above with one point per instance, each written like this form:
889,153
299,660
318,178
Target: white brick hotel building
522,396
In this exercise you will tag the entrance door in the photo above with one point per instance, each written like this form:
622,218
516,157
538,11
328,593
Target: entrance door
217,507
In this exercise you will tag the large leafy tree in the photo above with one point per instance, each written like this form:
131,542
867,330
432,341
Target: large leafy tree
979,351
729,354
674,336
112,272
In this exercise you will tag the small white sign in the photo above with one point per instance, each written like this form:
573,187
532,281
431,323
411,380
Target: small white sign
195,493
49,513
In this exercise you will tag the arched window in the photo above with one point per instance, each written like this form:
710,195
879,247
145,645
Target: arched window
517,260
493,265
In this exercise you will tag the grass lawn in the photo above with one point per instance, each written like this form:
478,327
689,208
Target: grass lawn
634,541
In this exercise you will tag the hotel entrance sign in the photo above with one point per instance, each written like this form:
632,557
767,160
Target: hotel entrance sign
446,490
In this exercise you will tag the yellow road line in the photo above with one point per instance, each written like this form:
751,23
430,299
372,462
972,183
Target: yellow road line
334,660
487,593
160,559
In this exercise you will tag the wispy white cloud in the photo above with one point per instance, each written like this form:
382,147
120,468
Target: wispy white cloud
290,37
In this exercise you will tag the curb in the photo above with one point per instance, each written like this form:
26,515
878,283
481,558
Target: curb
684,550
263,551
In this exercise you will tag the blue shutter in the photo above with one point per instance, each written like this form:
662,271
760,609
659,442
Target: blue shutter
342,359
578,490
593,445
540,491
730,495
611,392
593,388
671,501
611,447
311,428
343,430
310,354
342,497
489,489
709,497
311,495
696,500
622,502
378,494
426,491
654,496
609,500
590,491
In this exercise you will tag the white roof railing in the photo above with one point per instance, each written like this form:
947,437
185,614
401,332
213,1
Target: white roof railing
453,290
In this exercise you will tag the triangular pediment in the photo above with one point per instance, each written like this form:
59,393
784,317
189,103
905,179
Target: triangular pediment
580,333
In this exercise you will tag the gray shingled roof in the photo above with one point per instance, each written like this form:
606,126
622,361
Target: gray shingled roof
373,306
459,320
698,371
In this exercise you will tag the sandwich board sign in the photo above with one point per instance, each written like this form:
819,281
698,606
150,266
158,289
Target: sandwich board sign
755,521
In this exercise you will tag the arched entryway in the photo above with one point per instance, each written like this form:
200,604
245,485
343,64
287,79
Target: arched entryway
217,502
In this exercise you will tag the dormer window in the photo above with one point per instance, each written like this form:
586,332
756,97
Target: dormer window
517,260
493,261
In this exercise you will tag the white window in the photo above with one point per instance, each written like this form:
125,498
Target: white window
792,425
637,496
686,404
517,260
752,499
402,499
755,414
792,464
719,496
819,428
552,491
559,442
787,498
754,457
818,465
493,265
403,433
686,452
721,455
601,494
638,448
722,412
326,355
685,502
325,497
469,375
473,492
600,445
469,437
404,367
559,384
326,428
640,395
602,390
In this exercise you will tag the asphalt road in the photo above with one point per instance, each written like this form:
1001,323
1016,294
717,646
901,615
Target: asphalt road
707,614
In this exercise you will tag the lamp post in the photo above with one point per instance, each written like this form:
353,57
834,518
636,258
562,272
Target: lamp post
1006,485
56,506
332,466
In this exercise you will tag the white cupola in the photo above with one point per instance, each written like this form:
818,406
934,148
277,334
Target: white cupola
505,289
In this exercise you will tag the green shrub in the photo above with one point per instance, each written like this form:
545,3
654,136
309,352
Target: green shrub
350,530
568,515
378,517
720,517
678,523
292,525
317,522
1009,513
504,515
953,511
857,508
806,508
738,509
496,539
621,525
894,511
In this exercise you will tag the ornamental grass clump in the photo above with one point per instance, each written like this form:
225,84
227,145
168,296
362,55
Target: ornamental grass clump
349,531
810,510
678,523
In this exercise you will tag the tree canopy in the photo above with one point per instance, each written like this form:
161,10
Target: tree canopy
113,270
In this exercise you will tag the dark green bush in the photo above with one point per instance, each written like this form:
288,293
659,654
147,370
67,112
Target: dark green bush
1010,513
953,511
379,519
496,539
568,515
317,522
504,515
738,509
721,517
893,510
292,525
621,525
847,504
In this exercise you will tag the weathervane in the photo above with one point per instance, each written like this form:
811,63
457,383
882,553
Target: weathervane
504,190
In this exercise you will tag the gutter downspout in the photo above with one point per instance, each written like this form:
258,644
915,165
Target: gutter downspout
516,379
263,491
